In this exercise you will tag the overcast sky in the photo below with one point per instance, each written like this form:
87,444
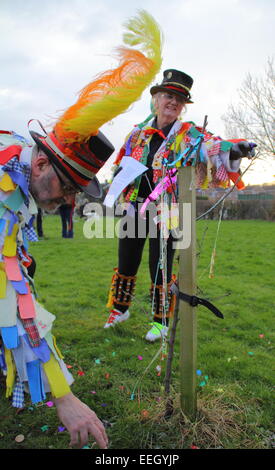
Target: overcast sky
51,49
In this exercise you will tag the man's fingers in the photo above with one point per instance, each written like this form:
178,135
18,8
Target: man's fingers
80,438
100,435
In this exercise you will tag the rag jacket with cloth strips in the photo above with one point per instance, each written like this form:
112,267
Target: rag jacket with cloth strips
213,167
29,356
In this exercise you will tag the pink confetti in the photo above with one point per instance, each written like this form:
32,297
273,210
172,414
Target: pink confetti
50,404
93,392
261,336
140,358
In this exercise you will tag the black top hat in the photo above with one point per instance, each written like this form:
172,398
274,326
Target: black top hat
176,82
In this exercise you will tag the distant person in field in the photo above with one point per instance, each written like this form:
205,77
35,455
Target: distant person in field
156,144
66,212
39,223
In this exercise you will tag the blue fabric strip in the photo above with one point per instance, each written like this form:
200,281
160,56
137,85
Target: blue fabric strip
42,351
19,178
35,381
2,225
128,147
10,336
3,364
13,220
20,286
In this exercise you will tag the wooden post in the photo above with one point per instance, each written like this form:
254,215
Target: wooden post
187,284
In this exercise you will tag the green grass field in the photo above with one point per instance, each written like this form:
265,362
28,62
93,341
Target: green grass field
235,407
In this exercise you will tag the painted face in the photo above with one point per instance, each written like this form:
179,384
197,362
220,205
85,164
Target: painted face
169,106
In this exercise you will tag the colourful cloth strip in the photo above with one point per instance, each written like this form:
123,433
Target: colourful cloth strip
26,305
10,246
18,395
3,364
3,281
15,165
10,336
32,332
13,221
2,225
35,381
31,234
10,372
7,153
20,286
58,384
6,184
12,268
42,351
19,179
14,201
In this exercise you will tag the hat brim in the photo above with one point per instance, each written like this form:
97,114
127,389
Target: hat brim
155,89
92,189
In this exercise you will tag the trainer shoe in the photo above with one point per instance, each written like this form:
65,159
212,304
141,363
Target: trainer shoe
157,331
116,317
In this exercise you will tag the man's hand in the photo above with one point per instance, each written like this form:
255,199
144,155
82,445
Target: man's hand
80,421
241,150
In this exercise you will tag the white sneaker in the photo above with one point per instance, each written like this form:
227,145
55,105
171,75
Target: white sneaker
157,331
116,317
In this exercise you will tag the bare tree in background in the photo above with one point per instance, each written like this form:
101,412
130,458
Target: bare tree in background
253,117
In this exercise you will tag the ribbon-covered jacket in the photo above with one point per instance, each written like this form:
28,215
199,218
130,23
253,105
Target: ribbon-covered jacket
185,144
29,356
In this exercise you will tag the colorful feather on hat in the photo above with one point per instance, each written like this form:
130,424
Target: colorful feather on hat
112,92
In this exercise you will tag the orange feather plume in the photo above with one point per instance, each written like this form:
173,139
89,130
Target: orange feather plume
112,92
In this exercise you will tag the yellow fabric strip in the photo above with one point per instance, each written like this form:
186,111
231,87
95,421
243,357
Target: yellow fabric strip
10,373
58,384
10,247
3,281
6,183
56,348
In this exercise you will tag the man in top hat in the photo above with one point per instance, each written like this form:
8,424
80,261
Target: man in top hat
61,163
155,145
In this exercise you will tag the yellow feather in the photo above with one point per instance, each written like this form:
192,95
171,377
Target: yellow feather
112,92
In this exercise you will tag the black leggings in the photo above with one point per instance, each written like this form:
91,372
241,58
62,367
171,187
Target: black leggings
131,248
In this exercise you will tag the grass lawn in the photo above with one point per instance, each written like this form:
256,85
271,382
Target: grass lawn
115,370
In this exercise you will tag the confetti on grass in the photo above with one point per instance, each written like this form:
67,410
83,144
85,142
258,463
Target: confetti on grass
50,404
44,428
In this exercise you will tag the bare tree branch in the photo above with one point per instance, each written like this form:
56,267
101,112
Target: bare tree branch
253,116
